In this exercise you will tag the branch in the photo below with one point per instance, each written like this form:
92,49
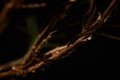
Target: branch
32,5
37,46
4,13
27,66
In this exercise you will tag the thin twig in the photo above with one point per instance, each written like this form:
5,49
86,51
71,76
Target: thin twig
33,5
108,36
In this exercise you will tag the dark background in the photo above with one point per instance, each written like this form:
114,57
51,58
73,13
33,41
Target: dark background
100,50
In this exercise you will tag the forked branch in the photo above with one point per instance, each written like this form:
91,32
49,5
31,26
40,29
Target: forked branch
90,26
